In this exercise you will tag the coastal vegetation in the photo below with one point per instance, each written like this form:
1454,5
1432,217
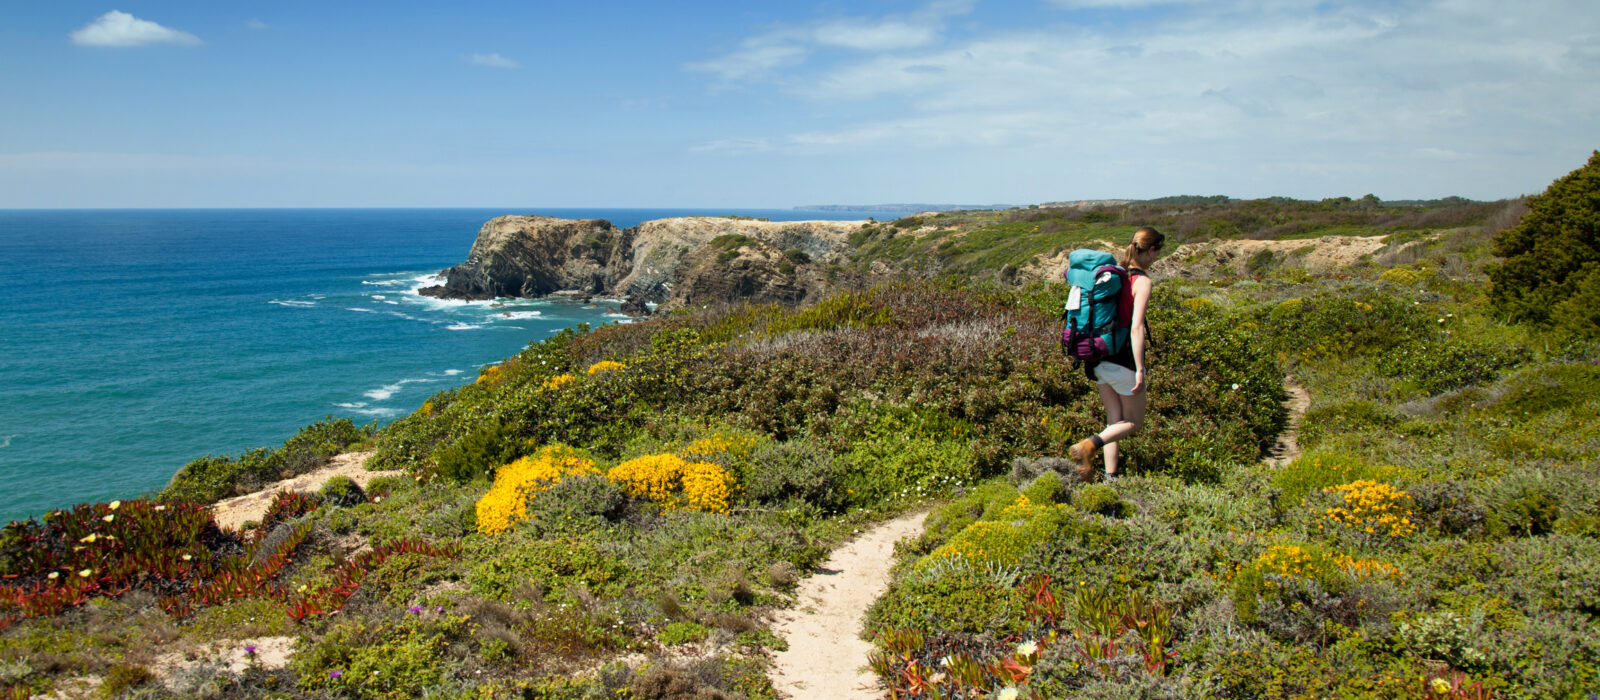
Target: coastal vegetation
615,511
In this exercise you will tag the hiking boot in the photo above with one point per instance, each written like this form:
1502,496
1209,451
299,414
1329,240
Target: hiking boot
1083,454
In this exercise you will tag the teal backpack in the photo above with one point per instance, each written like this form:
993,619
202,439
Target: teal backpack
1099,307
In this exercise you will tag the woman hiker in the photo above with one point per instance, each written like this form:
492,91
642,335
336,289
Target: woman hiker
1122,377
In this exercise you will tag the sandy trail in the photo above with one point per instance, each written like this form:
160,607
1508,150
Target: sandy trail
1287,448
231,513
826,657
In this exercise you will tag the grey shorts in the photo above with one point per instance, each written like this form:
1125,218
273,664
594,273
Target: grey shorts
1119,378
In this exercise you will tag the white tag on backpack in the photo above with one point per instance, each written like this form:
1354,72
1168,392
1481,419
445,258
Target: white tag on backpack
1075,299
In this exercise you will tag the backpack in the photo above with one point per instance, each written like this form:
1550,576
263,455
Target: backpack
1099,308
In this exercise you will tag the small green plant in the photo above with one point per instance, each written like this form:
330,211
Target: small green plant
342,492
1102,499
682,633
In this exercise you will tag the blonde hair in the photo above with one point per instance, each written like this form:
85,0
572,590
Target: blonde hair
1144,239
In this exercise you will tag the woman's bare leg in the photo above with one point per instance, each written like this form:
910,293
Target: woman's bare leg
1113,404
1128,419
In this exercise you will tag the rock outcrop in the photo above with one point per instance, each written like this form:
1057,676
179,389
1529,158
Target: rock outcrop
669,262
531,256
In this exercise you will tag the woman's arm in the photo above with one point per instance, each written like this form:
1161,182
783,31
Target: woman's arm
1141,299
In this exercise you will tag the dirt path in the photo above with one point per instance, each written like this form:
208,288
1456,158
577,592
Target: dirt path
826,656
234,512
1287,448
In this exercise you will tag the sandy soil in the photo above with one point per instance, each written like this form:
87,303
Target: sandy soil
1287,448
826,656
230,514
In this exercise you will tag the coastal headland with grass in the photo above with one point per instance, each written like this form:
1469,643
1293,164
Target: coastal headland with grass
1369,470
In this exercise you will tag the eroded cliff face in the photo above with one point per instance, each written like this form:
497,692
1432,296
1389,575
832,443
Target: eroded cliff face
672,262
531,256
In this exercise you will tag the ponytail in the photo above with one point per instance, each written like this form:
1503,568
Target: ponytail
1144,239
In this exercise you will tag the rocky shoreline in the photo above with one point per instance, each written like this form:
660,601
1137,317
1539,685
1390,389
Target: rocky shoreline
667,263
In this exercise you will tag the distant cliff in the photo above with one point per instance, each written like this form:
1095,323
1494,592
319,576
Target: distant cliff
673,262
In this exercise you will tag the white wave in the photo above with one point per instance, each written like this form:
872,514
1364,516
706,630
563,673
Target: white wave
358,404
396,303
617,316
6,441
463,326
518,315
365,311
451,372
382,393
296,303
379,297
377,412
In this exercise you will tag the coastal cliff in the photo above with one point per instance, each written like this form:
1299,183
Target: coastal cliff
670,262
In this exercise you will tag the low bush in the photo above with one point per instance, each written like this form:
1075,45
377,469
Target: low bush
797,469
342,492
1315,471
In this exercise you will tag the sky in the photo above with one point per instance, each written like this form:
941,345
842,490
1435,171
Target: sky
295,103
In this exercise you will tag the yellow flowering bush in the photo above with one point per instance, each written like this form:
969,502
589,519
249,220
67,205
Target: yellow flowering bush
1400,275
557,382
1197,303
506,503
706,487
676,484
490,375
1371,508
1003,537
604,366
720,443
1332,571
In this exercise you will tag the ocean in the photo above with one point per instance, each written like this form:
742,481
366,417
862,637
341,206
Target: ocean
133,341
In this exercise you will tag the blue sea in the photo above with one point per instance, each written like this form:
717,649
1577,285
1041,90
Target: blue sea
133,341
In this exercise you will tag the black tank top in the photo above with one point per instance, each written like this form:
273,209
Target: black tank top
1124,357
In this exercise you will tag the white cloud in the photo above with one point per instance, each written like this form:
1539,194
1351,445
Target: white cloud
1254,91
880,36
118,29
257,24
492,60
758,57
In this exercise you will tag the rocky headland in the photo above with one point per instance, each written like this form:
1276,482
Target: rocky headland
668,262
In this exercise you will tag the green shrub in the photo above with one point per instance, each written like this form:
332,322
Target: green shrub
213,478
1102,499
1551,256
1318,470
1524,507
796,469
577,504
1440,366
1341,418
682,633
1002,536
380,659
478,454
1449,508
1446,636
954,597
1045,488
342,491
123,678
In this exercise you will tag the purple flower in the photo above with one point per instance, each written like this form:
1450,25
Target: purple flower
415,610
440,610
250,650
335,674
